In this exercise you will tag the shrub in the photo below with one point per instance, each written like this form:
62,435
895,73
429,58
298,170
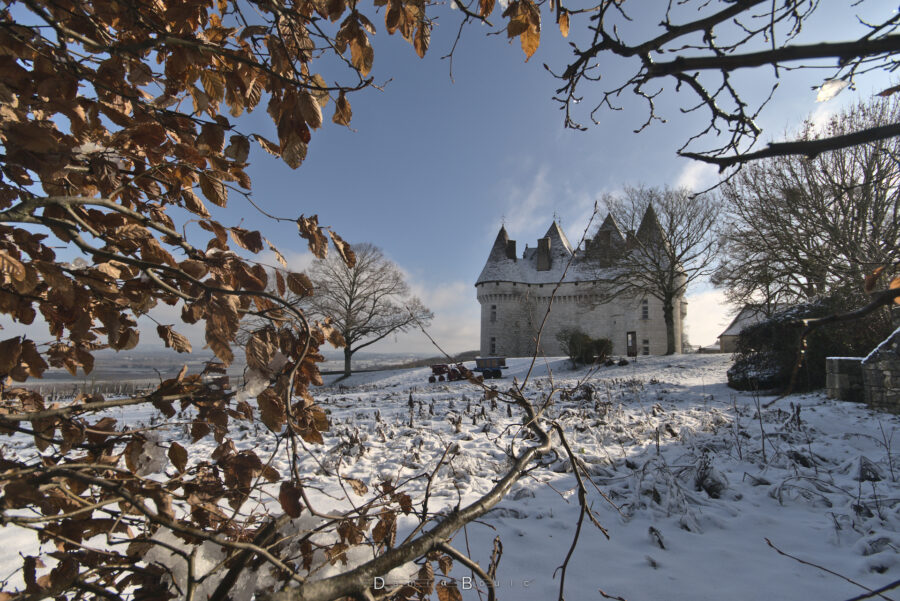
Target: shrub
767,351
581,348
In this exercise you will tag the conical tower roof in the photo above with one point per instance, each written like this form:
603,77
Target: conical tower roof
609,225
498,265
650,230
558,238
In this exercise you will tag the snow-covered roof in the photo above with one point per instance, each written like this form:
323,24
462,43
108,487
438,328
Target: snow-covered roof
501,268
750,315
885,345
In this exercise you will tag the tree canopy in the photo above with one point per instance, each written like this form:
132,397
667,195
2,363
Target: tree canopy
365,302
671,243
713,44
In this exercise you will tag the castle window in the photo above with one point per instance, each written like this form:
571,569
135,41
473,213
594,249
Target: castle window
645,309
493,346
493,312
646,349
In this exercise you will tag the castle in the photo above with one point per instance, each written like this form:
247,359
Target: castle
514,293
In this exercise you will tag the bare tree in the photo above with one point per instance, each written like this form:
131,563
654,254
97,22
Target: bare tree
670,243
802,228
711,41
366,302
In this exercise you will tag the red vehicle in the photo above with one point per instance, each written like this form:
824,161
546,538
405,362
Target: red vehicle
442,371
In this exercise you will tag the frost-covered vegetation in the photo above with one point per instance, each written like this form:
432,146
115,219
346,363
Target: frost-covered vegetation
687,477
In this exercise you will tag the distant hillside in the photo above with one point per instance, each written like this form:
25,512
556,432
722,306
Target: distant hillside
426,361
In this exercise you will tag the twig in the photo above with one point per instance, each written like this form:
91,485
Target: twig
832,572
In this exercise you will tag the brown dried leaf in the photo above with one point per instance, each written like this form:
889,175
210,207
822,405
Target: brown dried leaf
872,280
895,283
12,267
357,485
310,230
290,499
10,350
485,8
311,110
271,410
342,111
193,203
332,334
531,39
278,256
425,579
405,502
247,240
300,284
888,92
361,54
343,249
385,531
173,339
199,429
214,189
270,147
422,39
448,592
132,454
178,456
293,151
238,148
195,269
446,564
259,352
564,24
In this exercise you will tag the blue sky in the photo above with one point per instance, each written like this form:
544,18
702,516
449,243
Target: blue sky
432,167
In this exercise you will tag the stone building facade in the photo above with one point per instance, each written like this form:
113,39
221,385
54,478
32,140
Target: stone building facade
515,290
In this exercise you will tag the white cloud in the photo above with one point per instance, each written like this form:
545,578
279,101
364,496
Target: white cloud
707,316
697,175
531,205
456,326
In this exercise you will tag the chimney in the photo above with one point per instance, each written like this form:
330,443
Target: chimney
630,240
511,249
543,254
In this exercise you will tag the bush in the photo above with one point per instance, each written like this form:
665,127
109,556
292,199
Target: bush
583,349
766,352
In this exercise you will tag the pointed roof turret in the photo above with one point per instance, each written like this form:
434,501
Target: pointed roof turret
609,225
496,268
650,229
558,238
502,239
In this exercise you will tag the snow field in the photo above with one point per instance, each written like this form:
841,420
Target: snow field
686,475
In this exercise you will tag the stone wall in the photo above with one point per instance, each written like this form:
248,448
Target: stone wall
511,314
881,376
844,378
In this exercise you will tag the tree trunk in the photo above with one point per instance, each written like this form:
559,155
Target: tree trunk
669,315
347,355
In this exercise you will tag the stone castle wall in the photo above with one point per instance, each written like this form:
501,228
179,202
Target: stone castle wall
511,314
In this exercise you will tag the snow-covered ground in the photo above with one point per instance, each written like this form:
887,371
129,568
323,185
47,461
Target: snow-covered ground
687,479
